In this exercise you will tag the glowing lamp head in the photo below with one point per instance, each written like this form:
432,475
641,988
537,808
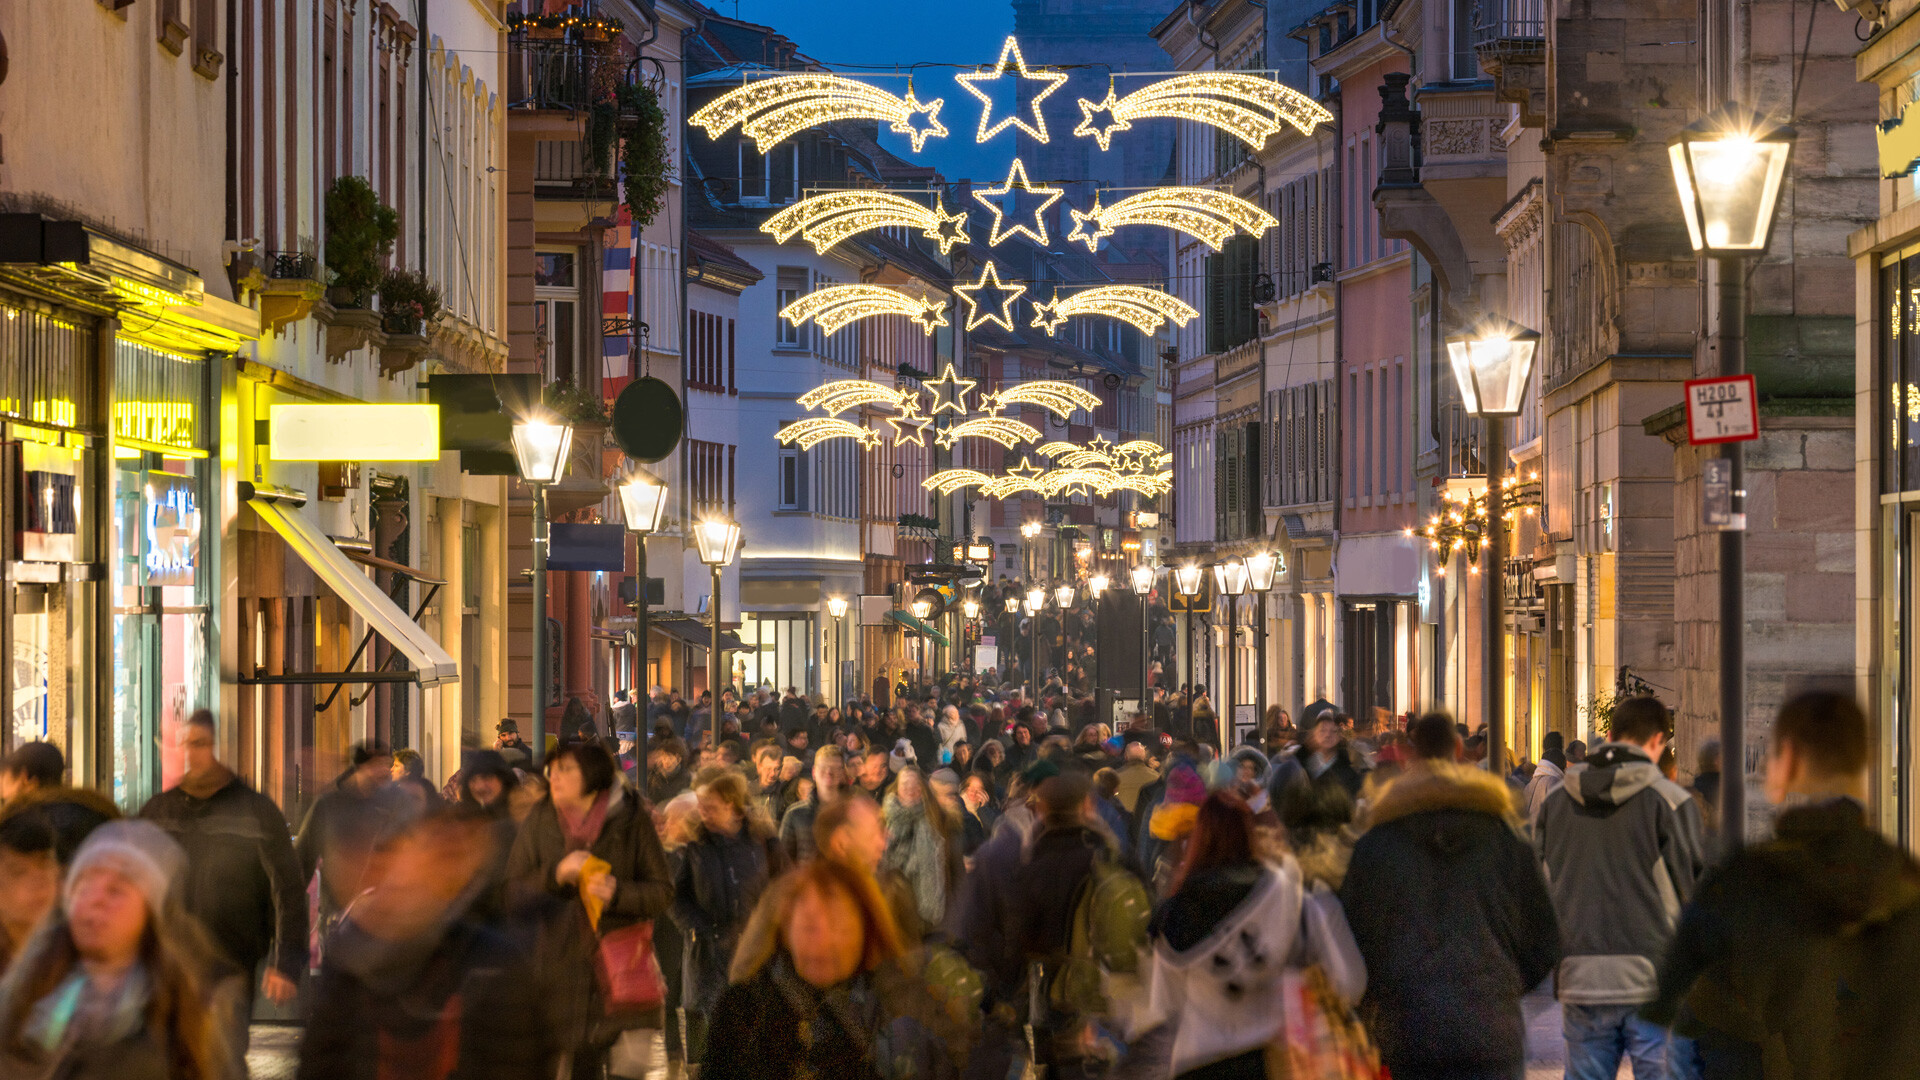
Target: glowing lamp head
1013,604
1030,530
718,540
1262,567
643,500
922,609
540,448
1097,584
1492,360
970,608
1230,577
1142,579
1036,599
837,606
1063,596
1728,169
1187,579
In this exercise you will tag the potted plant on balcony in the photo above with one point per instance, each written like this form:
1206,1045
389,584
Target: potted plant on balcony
578,405
408,301
360,231
644,162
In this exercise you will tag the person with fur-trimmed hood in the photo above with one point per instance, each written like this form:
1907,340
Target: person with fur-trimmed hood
1452,917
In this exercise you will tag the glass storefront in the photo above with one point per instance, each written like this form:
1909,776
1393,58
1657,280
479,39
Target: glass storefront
779,650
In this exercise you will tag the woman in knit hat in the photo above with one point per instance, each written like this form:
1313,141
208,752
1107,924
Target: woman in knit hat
1172,823
115,983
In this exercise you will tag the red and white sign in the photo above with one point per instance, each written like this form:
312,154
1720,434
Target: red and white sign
1722,410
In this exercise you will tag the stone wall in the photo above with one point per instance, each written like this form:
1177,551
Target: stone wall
1799,584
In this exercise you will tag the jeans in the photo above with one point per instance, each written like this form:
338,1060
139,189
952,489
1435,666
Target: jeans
1598,1036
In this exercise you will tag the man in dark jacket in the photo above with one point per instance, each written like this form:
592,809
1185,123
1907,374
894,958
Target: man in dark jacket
31,777
1796,958
1448,908
1622,847
242,880
343,826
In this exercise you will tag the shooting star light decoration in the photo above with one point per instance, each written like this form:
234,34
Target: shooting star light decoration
825,220
1004,430
837,305
814,430
1248,106
839,396
1202,213
1144,308
1057,397
770,109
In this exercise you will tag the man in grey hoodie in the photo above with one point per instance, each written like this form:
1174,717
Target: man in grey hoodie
1623,850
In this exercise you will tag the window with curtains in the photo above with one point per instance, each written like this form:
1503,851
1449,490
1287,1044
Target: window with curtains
710,353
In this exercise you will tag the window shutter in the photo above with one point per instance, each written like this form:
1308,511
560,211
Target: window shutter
1250,502
1216,303
1220,486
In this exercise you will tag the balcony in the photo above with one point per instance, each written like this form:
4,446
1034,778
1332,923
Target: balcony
1510,39
560,74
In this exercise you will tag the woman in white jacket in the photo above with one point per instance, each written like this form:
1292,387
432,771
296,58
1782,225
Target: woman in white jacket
1222,940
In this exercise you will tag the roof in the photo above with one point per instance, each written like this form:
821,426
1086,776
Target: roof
711,262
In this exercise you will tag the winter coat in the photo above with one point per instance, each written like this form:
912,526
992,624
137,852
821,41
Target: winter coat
1346,769
1795,960
796,830
662,787
460,1004
1623,851
71,813
720,879
242,879
1219,945
567,944
887,1024
343,823
926,745
1447,905
1547,778
1018,902
1135,776
130,1048
927,860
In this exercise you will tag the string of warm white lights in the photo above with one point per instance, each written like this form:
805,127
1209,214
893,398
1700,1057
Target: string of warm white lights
948,481
1144,308
971,83
1004,430
1017,180
839,396
1245,105
1057,397
825,220
837,305
990,282
813,430
770,109
1202,213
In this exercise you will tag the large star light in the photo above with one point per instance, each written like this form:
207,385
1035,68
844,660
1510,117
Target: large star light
1017,180
971,83
950,392
990,282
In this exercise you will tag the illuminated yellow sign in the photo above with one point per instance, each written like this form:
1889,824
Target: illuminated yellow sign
301,432
162,426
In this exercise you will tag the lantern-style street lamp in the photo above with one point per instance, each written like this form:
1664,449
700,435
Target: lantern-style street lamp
1230,580
540,446
719,542
1262,568
1036,603
1187,580
837,611
643,503
1728,169
1141,578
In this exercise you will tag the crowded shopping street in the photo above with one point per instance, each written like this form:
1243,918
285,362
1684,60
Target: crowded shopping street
963,540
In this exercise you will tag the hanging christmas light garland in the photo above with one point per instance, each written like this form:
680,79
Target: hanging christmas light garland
825,220
770,109
839,396
837,305
1247,106
1145,309
1208,216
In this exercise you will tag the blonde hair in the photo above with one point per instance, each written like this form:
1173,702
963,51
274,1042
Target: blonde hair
825,877
732,787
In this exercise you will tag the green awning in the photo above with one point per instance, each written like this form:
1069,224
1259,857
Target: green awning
907,620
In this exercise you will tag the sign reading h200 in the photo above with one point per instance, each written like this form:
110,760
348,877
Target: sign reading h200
1722,410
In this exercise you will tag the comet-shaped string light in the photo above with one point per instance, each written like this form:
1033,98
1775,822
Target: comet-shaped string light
948,481
1054,395
1248,106
813,430
843,394
837,305
1004,430
770,109
1208,216
825,220
1145,309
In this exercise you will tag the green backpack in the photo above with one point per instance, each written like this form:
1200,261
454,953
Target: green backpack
1109,931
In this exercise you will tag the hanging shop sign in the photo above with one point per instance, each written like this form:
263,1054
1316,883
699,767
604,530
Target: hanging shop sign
170,520
48,512
354,432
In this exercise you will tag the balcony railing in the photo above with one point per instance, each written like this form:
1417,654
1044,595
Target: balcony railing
1509,23
560,74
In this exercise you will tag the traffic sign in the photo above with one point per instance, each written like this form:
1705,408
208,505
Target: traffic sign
1722,410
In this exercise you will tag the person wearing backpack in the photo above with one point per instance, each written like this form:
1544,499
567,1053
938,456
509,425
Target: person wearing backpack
1047,926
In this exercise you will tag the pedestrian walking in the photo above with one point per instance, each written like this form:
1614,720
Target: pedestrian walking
342,827
412,986
119,983
1623,850
829,784
487,787
506,739
669,770
1548,774
1706,789
29,881
1324,757
242,880
923,845
1451,916
590,820
1796,957
32,777
724,870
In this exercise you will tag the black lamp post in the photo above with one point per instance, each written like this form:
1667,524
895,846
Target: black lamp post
540,448
1230,578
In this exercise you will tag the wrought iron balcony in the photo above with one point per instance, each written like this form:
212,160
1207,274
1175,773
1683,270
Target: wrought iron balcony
1509,24
560,74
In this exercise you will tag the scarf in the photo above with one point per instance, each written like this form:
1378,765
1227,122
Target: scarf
581,831
75,1013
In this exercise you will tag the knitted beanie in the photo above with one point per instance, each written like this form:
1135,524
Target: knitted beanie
139,851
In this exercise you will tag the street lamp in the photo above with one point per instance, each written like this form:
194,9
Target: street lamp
1230,579
1063,595
1142,581
540,448
1036,602
1491,362
837,610
1097,587
1028,532
719,542
1262,568
1728,169
643,503
1187,580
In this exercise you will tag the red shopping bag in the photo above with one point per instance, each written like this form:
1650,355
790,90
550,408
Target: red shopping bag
629,972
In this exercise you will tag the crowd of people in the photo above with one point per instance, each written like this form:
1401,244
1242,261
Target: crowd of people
967,884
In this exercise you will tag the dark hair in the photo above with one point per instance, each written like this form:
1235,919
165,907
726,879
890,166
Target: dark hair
28,833
1637,719
1314,807
1433,736
367,751
40,762
410,761
672,744
1222,836
200,718
1062,796
1829,729
595,764
1553,740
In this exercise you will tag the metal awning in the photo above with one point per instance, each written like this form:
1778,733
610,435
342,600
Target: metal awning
907,620
694,632
431,664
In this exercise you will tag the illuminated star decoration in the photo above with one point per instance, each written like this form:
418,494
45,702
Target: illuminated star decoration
950,392
837,397
990,280
835,306
1144,308
825,220
932,313
1247,106
911,425
770,109
1202,213
1004,430
1017,181
1056,396
817,429
1011,50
